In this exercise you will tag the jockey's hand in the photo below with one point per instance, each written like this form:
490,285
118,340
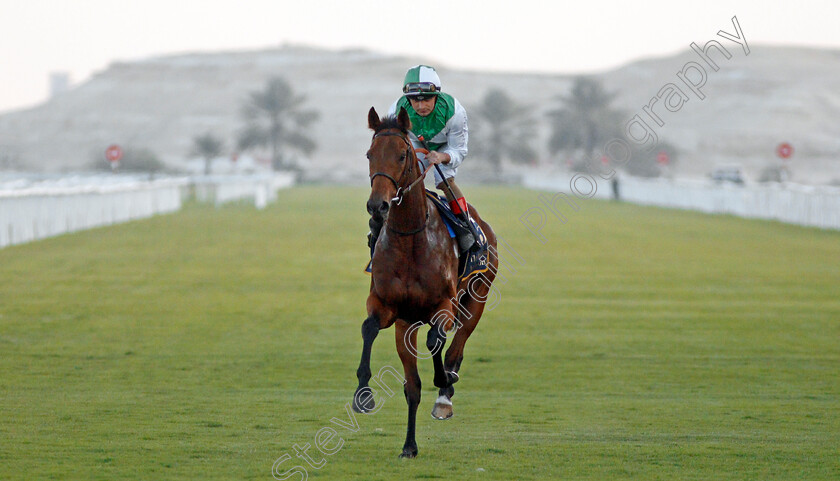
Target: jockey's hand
437,158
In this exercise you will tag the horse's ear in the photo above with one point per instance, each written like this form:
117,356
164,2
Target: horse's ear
403,121
373,119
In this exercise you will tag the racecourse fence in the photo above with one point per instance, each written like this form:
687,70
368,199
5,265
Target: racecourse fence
34,213
35,210
262,190
813,206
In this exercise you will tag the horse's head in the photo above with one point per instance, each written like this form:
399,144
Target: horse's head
390,161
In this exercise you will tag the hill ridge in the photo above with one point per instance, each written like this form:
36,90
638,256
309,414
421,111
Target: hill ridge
755,101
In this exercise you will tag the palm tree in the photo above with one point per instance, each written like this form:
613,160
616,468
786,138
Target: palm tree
585,121
208,147
509,129
274,117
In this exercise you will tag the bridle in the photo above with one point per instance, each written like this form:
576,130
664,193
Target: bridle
411,158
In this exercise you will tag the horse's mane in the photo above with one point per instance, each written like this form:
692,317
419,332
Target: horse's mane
389,122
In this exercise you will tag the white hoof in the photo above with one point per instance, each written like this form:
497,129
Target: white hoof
442,409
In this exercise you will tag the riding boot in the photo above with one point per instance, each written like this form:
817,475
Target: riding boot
464,236
467,234
373,235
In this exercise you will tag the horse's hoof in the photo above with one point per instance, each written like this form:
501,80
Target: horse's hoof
409,453
363,401
364,408
442,409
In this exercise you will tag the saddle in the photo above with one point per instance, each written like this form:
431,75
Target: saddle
472,261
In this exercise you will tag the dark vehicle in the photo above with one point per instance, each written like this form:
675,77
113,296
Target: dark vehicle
727,174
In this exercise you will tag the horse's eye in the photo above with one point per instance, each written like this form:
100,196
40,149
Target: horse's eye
367,155
402,157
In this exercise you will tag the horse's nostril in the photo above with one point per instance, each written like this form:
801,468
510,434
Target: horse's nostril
377,207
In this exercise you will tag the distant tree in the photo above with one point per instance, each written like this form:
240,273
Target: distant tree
274,117
208,147
585,121
506,130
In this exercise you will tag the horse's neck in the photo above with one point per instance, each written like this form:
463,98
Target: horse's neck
412,213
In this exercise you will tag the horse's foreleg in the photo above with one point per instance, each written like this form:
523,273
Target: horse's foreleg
407,350
363,399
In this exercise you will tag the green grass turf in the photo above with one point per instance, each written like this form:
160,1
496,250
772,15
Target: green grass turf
635,343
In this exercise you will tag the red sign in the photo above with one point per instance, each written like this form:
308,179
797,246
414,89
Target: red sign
662,158
784,150
113,153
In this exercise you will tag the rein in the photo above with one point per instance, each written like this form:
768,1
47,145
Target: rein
411,158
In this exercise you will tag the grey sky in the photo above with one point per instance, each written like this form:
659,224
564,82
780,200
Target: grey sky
84,36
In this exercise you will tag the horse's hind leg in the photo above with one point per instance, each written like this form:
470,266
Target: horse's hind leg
471,308
407,350
452,362
434,343
443,379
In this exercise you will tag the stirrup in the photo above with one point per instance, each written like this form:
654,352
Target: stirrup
466,241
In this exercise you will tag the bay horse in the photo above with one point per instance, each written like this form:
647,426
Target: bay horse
414,276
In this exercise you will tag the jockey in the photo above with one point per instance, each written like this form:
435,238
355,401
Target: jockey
438,124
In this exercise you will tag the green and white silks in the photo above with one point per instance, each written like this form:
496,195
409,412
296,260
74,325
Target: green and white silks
445,130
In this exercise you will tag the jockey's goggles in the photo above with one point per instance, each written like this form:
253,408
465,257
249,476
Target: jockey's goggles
420,89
